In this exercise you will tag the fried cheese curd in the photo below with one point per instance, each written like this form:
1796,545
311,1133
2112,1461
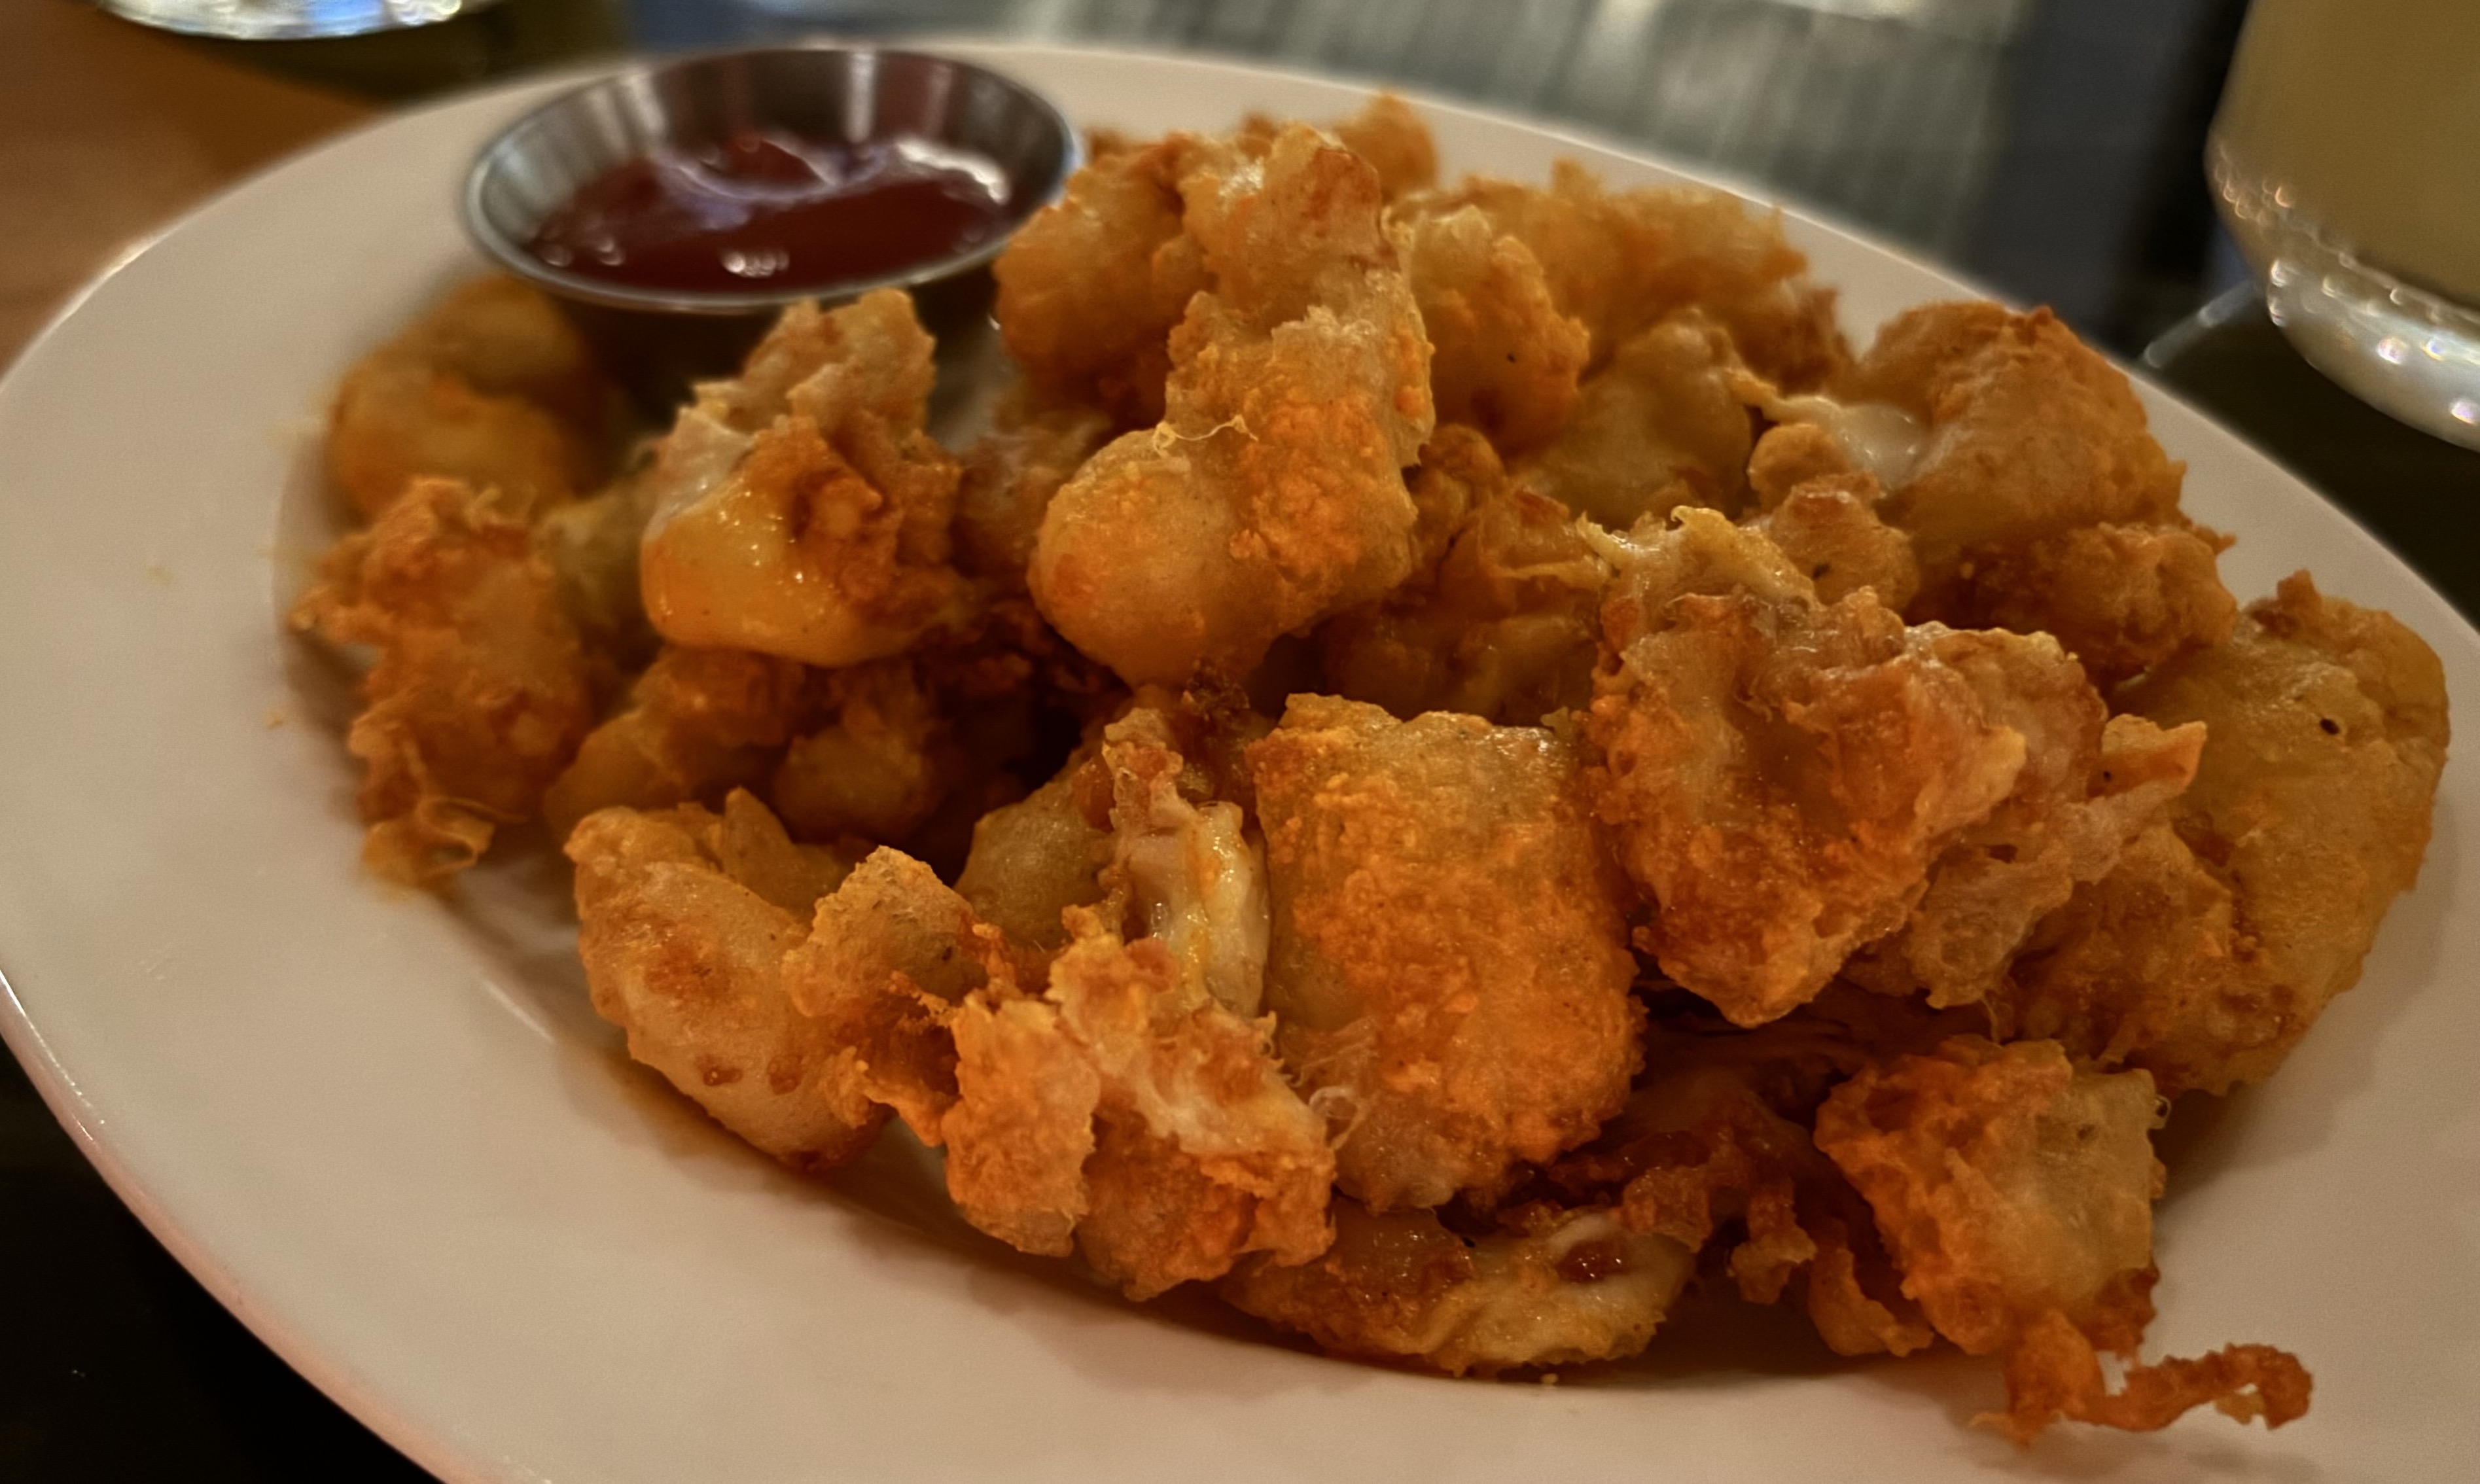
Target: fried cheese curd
2015,1191
1450,767
1503,358
1791,781
1660,427
1011,473
1388,133
2036,498
684,919
481,690
490,386
1449,965
1089,289
1272,492
885,750
591,544
1092,288
800,509
1713,1152
1118,1097
1501,620
2226,928
1617,262
696,724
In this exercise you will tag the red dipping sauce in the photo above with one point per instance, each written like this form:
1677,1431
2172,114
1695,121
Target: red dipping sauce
765,210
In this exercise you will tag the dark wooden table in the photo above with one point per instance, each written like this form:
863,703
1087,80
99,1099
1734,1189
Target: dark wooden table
2048,148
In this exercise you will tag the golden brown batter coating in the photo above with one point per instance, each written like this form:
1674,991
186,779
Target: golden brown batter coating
698,724
1504,359
2087,790
1033,859
2039,500
1829,527
2122,599
1388,133
2015,1193
1658,427
2222,936
1120,1111
1450,965
1272,492
1107,1096
802,511
1503,622
1204,1154
1779,774
2031,432
1090,289
1011,475
877,768
1553,1287
491,386
482,691
683,921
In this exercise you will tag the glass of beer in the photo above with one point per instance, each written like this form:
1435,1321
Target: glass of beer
2347,159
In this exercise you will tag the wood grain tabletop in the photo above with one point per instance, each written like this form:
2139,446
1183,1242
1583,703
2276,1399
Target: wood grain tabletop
109,131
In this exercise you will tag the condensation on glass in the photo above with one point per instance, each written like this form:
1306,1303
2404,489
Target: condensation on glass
2347,159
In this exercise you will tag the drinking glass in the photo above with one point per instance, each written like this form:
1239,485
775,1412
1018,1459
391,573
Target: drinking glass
290,20
2346,156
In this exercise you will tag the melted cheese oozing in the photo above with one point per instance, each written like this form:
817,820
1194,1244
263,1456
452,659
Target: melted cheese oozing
1203,886
1883,440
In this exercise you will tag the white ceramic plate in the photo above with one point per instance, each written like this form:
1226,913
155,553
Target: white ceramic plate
389,1135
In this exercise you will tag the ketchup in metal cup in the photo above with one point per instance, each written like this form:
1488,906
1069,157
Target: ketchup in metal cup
765,210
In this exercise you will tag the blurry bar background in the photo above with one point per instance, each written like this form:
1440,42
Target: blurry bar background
2049,147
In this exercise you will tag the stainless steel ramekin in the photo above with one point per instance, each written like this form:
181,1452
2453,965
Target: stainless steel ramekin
657,340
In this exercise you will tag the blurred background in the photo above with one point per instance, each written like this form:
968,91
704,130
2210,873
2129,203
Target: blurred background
2049,147
2052,149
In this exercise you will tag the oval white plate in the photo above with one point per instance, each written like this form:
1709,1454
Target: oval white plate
388,1134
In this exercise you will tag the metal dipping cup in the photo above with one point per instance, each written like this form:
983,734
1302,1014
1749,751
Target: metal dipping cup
658,340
